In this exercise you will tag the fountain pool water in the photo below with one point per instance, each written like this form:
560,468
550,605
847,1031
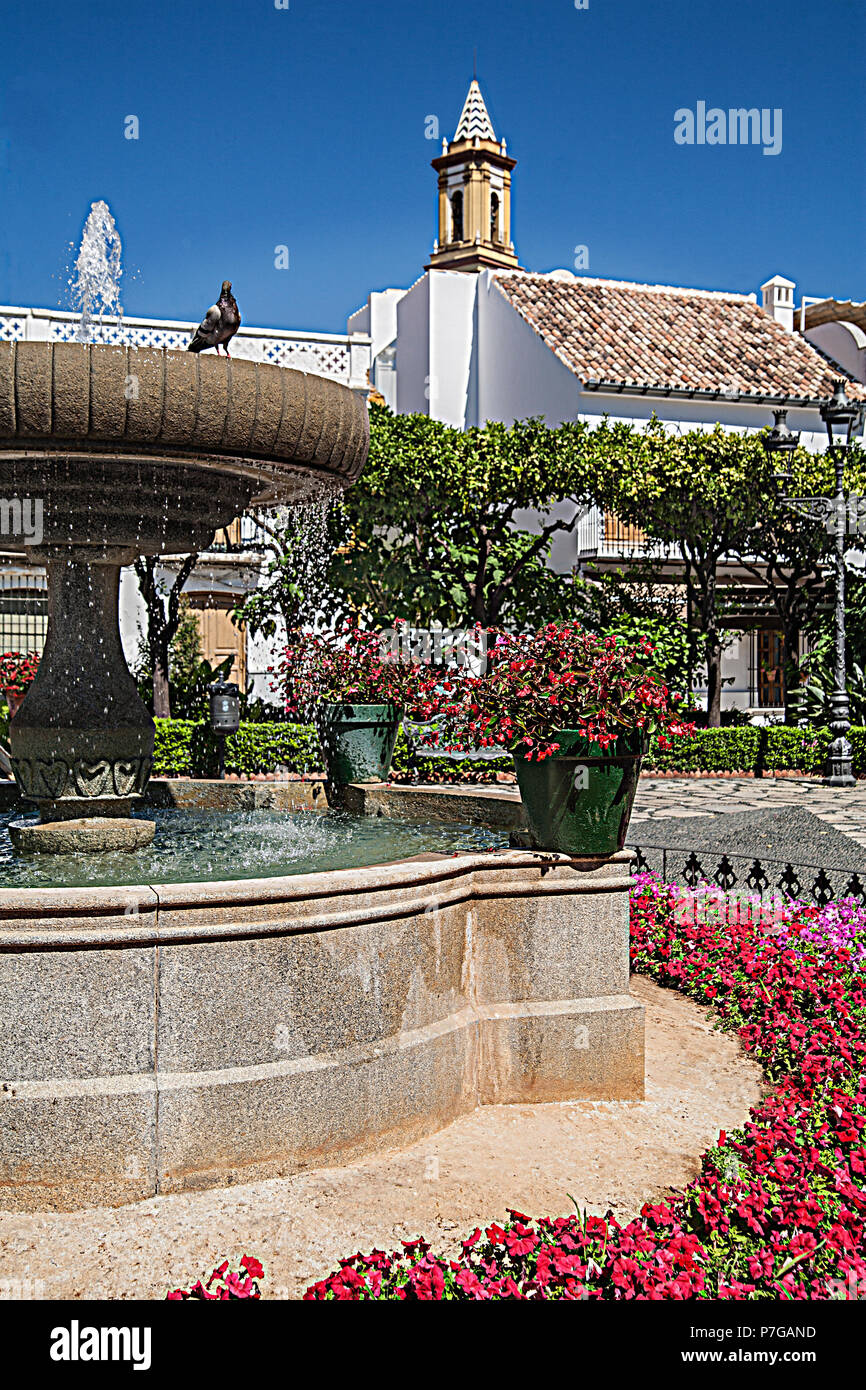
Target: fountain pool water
205,846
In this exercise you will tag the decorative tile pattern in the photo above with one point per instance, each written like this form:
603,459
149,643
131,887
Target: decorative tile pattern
474,118
321,359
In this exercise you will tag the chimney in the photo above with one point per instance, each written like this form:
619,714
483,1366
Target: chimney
777,297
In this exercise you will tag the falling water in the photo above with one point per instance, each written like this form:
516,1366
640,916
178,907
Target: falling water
299,539
95,285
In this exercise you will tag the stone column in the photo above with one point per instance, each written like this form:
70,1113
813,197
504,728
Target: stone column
82,740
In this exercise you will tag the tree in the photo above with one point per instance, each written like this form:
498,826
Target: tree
435,531
704,493
633,603
185,654
789,556
163,613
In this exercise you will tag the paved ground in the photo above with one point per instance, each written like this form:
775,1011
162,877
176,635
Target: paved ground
668,797
605,1154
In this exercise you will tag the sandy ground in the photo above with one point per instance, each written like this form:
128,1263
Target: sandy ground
605,1154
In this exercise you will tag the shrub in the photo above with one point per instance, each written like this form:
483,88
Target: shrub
796,750
707,750
769,748
183,748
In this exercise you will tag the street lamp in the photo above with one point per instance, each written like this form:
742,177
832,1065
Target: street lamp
225,707
842,418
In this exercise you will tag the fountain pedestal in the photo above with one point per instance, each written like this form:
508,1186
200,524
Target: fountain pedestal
82,740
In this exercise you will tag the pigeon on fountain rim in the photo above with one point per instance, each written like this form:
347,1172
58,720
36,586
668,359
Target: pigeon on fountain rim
219,325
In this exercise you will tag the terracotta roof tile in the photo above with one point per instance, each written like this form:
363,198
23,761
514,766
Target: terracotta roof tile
656,337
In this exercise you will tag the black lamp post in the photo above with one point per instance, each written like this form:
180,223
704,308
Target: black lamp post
842,418
225,716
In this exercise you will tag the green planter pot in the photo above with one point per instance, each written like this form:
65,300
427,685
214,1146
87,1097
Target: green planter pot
579,800
357,741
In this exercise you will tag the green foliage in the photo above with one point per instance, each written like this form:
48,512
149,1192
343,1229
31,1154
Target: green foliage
790,749
259,711
432,527
190,698
855,616
186,748
293,589
707,750
768,748
713,494
812,699
418,766
185,653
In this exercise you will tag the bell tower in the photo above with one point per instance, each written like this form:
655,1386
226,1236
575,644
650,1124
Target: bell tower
474,195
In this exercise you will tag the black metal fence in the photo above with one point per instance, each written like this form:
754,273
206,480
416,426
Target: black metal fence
765,878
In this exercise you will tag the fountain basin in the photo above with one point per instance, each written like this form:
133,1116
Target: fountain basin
132,452
157,449
163,1038
82,835
199,845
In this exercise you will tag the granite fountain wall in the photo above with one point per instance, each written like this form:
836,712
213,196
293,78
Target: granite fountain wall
166,1038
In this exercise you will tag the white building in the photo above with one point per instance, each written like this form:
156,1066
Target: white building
477,338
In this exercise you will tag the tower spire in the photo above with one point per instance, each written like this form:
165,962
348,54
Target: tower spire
474,193
474,118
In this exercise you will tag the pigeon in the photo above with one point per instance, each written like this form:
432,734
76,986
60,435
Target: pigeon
219,325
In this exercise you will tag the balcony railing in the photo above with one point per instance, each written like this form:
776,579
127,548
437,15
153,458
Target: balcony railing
601,535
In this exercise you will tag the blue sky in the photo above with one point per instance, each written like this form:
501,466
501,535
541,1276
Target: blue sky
305,127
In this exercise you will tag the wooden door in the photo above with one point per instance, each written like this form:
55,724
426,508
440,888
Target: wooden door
220,638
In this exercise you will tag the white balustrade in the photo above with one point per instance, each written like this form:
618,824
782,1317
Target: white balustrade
340,357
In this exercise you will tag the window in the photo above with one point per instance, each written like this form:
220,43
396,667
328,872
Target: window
457,216
770,669
494,217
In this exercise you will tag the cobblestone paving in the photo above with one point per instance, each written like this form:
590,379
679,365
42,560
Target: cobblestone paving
668,797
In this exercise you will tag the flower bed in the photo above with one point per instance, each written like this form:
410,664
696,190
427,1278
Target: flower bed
17,672
778,1208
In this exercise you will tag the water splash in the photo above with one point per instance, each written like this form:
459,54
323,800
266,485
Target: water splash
95,285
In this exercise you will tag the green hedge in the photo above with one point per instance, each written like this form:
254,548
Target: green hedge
186,748
707,750
771,748
421,769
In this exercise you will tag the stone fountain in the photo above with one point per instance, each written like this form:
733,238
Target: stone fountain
168,1036
136,452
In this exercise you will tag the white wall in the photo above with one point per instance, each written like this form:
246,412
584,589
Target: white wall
845,343
452,347
263,652
133,615
518,374
413,350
